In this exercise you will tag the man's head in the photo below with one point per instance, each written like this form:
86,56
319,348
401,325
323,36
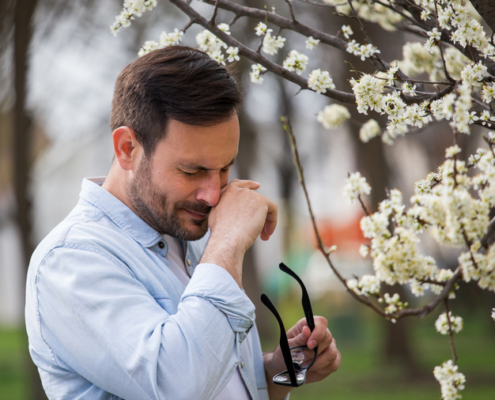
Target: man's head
175,134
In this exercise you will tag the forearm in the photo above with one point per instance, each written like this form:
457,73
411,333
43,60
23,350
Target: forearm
226,255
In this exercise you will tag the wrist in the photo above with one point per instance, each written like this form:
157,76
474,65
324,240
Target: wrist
226,255
272,367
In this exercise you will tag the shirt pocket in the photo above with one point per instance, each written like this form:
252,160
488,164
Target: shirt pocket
165,302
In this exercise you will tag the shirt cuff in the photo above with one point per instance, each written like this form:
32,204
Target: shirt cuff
216,285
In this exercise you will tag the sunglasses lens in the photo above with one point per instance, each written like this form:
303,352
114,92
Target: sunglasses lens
302,356
283,377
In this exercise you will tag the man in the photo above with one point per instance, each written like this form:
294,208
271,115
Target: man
123,298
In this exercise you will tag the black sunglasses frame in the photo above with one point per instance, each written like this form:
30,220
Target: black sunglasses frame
292,367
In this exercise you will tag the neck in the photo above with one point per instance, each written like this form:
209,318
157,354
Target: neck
116,183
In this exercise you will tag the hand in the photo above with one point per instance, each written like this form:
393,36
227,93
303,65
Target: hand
328,360
240,216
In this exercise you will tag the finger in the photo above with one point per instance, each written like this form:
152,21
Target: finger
244,184
302,338
326,358
271,220
327,366
320,336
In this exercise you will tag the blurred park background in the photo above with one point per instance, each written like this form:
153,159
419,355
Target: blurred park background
58,65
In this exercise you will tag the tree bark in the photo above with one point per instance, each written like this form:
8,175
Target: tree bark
23,17
486,8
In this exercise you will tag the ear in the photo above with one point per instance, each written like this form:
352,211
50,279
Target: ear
126,147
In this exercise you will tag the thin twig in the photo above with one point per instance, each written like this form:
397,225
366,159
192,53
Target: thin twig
291,10
451,332
447,75
215,11
365,32
363,206
188,25
422,311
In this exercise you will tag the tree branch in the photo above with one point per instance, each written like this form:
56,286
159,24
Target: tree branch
253,56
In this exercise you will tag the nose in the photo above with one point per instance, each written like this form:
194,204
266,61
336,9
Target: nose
209,192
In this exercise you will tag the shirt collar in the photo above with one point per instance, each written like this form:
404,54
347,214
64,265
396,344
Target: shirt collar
118,212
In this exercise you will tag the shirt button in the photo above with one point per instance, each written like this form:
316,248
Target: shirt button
188,262
161,245
242,364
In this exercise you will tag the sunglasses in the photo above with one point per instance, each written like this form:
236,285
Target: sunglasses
298,359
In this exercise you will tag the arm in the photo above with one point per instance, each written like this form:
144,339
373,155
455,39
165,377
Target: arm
101,321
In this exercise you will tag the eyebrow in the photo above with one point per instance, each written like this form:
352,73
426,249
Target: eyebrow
201,167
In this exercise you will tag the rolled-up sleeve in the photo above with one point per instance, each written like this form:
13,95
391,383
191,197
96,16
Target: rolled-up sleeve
101,321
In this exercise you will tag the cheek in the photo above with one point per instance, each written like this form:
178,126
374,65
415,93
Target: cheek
182,190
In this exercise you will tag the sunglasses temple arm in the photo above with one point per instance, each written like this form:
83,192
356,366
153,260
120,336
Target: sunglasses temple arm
308,311
284,343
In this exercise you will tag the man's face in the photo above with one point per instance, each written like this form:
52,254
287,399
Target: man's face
174,189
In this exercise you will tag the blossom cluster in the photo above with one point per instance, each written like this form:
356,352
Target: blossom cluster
296,62
355,186
131,10
166,39
442,323
369,11
367,285
364,51
212,45
451,381
333,116
320,81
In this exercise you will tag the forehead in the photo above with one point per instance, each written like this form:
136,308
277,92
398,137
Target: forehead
209,146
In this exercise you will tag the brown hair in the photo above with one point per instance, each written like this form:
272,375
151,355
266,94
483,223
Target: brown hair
176,82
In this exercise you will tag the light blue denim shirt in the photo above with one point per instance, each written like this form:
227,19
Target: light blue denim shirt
107,319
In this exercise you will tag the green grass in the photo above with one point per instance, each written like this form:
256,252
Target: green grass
13,361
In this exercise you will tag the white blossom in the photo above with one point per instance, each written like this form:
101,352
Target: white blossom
260,29
148,46
224,28
209,43
367,285
355,186
472,74
442,324
363,51
271,44
346,31
256,73
131,10
364,250
368,92
311,43
295,62
333,116
320,81
369,130
452,151
433,37
451,381
488,93
218,57
171,39
233,54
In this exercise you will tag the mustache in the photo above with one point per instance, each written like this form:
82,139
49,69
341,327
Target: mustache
195,207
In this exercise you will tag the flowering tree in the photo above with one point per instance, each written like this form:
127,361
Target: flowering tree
453,204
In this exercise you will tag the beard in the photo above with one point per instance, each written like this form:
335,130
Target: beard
158,212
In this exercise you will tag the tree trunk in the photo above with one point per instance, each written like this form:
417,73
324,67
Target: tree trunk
486,8
23,16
